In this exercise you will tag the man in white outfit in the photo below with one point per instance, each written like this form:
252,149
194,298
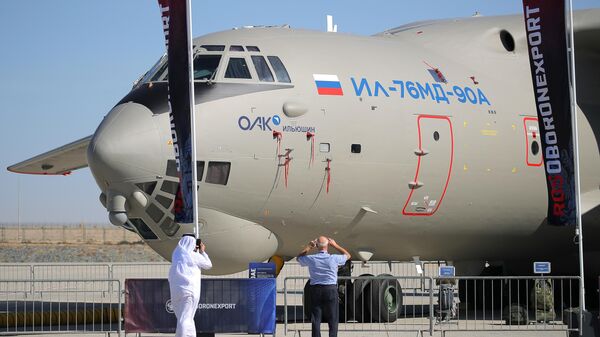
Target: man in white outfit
184,282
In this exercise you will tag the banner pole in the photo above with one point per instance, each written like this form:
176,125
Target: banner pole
573,87
192,118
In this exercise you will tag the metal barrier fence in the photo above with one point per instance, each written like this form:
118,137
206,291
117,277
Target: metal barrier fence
413,280
15,272
71,271
468,303
367,304
453,305
514,303
60,306
121,271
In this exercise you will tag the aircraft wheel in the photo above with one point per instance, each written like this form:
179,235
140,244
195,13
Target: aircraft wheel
360,307
386,299
346,298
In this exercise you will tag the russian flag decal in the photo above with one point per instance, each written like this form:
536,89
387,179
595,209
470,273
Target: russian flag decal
328,85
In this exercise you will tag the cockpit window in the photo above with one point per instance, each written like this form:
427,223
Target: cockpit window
212,47
237,68
161,74
262,69
158,67
279,68
205,66
207,60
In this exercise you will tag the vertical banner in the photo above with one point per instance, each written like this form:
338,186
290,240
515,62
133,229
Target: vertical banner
178,42
548,58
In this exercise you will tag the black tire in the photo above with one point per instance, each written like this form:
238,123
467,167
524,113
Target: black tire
386,300
346,297
345,292
362,299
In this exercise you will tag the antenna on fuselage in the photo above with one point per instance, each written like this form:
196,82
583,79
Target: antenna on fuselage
331,28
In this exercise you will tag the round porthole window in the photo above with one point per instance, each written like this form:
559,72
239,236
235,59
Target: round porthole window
535,148
436,136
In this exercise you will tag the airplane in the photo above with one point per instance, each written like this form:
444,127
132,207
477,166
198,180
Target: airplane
420,141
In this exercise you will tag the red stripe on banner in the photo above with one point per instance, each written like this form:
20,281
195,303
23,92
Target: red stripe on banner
330,91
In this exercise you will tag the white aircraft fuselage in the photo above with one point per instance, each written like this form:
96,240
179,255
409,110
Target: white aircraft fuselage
419,141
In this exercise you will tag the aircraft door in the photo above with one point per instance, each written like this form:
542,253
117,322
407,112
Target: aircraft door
533,153
435,153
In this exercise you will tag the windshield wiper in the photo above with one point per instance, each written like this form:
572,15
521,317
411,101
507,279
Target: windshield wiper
212,77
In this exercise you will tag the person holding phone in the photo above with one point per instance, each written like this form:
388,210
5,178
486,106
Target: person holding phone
188,259
323,268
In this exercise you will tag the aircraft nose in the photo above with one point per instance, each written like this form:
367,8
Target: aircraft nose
126,146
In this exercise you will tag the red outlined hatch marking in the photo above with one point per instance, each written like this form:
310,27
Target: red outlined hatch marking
404,212
534,135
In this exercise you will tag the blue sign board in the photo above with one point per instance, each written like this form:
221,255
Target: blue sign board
541,268
446,271
261,270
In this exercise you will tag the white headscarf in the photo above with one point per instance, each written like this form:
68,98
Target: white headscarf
184,274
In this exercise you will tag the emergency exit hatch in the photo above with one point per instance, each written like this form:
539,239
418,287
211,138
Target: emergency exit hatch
434,157
533,153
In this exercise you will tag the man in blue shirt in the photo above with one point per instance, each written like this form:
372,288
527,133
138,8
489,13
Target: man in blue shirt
323,268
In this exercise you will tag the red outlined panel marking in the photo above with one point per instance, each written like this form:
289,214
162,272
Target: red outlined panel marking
420,158
532,133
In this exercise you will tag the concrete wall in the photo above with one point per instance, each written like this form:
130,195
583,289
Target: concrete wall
67,234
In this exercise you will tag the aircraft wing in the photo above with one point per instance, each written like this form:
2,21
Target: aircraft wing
60,161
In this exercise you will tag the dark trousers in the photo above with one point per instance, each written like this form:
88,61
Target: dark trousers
325,305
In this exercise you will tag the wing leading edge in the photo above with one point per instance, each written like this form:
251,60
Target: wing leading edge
60,161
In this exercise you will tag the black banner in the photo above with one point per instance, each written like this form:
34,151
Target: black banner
547,44
174,18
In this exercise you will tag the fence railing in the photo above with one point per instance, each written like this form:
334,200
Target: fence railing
405,302
457,304
120,271
60,306
367,304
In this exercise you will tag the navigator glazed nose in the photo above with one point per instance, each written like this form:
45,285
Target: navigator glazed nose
126,146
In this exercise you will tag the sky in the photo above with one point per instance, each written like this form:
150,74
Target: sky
65,63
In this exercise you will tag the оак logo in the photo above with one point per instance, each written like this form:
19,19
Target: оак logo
276,120
263,123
